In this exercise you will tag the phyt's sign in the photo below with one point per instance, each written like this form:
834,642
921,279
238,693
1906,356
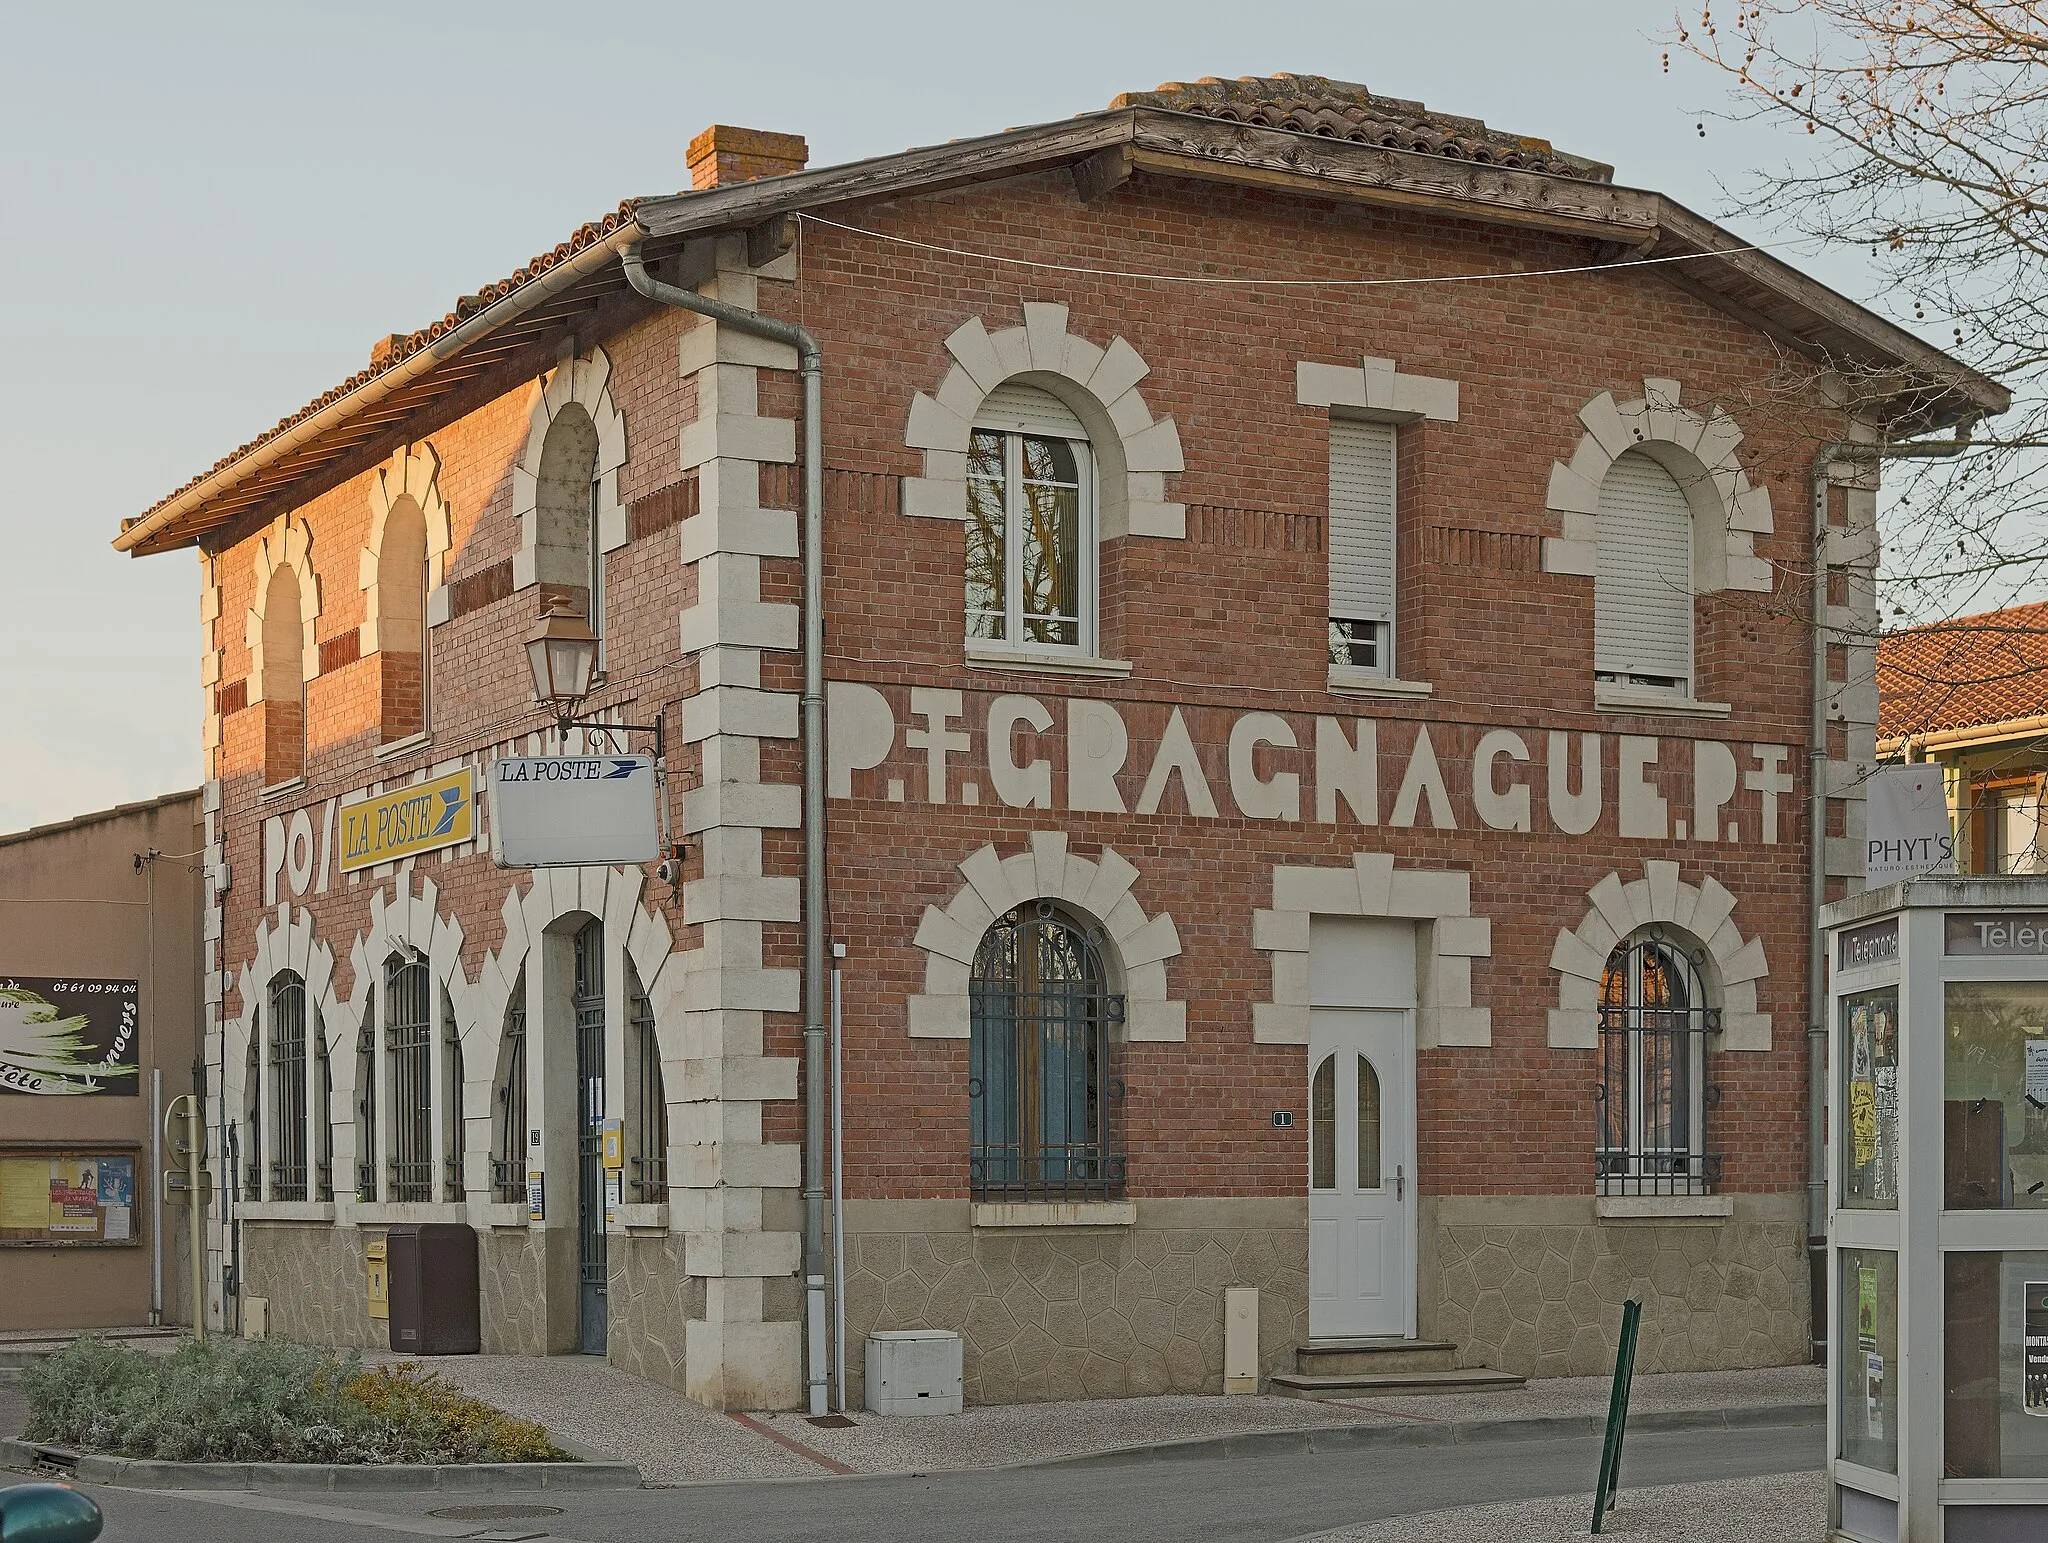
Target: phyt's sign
551,811
929,745
1907,825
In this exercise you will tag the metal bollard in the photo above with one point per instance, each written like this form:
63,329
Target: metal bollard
1606,1487
48,1513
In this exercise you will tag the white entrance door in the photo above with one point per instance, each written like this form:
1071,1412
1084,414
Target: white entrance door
1361,1174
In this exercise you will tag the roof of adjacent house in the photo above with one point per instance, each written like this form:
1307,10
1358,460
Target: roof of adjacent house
1975,672
1298,133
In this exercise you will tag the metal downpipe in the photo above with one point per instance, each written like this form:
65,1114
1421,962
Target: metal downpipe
1816,943
811,365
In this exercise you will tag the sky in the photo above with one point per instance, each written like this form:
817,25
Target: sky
208,212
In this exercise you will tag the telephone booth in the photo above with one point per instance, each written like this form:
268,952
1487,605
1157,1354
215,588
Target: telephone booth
1938,1211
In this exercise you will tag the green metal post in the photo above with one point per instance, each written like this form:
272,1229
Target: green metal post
1606,1490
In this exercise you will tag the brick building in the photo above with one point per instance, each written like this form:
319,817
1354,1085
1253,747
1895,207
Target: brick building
1318,778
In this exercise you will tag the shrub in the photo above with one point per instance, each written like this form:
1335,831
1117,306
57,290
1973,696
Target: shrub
266,1401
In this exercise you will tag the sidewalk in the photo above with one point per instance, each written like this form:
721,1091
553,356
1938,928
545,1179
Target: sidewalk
1788,1508
675,1441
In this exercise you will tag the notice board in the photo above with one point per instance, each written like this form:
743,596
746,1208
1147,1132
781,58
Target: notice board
75,1195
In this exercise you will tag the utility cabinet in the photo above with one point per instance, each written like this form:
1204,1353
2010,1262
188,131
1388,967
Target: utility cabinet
1938,1211
435,1302
914,1371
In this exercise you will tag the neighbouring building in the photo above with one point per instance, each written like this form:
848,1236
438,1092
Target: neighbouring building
100,924
1972,695
1318,794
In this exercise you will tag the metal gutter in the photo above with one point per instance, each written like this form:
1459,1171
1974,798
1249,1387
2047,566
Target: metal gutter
1962,739
592,259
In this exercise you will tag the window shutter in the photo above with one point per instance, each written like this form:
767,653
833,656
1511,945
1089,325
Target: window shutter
1026,409
1362,520
1642,590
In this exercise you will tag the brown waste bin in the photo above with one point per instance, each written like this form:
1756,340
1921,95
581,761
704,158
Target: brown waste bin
434,1298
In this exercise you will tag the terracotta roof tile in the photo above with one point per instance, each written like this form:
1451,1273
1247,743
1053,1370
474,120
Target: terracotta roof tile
1338,109
1975,670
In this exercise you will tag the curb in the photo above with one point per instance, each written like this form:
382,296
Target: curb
329,1478
1442,1433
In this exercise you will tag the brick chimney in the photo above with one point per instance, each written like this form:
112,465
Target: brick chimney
723,155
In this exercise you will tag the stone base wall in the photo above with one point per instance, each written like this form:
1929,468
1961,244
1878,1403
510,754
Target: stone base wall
1534,1284
651,1298
316,1277
1078,1312
512,1280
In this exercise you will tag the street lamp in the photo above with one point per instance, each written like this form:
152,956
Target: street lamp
562,653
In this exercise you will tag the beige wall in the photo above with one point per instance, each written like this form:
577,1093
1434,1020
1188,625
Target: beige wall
73,902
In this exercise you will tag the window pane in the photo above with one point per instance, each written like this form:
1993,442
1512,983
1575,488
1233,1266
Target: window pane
1868,1334
1996,1136
1995,1365
1869,1058
1051,558
985,555
1322,1126
1358,643
1368,1125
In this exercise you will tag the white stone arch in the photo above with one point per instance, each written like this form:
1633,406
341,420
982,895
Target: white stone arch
1133,450
1699,450
585,381
414,472
287,544
287,939
1100,891
1703,912
1438,900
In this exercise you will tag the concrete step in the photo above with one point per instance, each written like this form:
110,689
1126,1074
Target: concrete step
1345,1357
1472,1379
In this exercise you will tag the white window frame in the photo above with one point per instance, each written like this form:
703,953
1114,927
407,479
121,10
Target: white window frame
1087,549
1385,640
1683,600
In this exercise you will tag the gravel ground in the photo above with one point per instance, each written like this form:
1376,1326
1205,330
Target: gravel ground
615,1415
1651,1394
1785,1508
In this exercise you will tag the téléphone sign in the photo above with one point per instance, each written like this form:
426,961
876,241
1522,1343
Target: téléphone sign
551,811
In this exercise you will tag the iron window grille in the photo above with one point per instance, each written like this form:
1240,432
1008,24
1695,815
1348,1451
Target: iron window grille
1043,1090
592,1250
252,1111
647,1163
287,1087
366,1102
1653,1100
508,1163
451,1157
408,1043
323,1117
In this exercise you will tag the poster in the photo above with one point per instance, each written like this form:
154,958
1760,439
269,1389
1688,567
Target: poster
1873,1395
74,1195
2037,1072
65,1035
1862,1090
117,1198
1866,1307
24,1193
2034,1359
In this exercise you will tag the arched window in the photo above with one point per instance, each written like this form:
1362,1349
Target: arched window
567,559
287,1087
323,1112
1042,1091
1653,1096
1030,524
284,678
508,1103
366,1102
451,1113
409,1044
402,620
646,1101
1642,588
251,1149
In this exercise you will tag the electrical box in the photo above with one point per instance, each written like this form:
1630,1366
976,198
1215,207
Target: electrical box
1240,1339
255,1317
380,1280
914,1371
435,1307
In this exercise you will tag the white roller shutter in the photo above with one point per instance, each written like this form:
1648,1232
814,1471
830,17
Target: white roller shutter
1024,409
1642,590
1362,521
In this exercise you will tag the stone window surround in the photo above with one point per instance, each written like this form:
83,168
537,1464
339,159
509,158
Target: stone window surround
285,941
1703,912
414,471
1098,891
1133,450
586,381
1700,452
1440,899
287,544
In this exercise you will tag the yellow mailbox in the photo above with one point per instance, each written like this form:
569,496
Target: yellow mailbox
380,1280
614,1145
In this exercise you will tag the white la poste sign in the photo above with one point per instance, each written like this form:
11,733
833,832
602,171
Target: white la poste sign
550,811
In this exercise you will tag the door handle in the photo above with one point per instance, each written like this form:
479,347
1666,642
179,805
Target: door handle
1400,1183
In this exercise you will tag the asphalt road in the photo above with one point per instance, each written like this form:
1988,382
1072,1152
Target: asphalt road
1261,1499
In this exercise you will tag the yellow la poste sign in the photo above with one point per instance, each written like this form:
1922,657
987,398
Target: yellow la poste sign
406,821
